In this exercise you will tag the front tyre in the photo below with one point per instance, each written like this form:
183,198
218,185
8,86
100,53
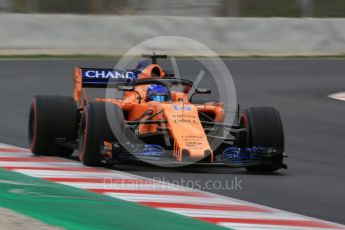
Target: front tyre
52,118
264,129
95,128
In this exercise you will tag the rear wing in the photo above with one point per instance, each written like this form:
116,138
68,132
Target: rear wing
98,78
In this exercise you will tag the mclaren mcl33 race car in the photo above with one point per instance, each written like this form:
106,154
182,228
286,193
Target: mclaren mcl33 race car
153,121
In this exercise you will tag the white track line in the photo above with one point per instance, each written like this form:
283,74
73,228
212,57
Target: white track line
170,199
110,185
338,96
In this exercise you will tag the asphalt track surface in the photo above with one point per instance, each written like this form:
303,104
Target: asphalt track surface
314,127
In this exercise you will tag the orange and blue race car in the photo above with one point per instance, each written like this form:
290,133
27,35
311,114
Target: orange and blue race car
155,120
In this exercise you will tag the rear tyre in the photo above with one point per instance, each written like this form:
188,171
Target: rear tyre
95,128
265,129
52,118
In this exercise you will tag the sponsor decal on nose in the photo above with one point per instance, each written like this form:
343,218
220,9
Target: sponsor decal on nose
187,108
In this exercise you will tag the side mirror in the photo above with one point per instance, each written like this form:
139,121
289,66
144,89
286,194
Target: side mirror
130,88
199,91
125,88
202,91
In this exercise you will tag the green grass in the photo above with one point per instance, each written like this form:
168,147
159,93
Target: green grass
93,57
290,8
269,8
53,56
246,8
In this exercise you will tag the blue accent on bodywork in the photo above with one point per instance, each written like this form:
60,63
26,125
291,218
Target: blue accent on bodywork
237,155
185,107
142,65
152,152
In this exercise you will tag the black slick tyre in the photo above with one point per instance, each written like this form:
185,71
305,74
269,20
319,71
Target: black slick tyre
265,129
53,123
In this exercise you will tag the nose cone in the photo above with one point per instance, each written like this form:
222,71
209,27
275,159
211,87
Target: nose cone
190,141
194,156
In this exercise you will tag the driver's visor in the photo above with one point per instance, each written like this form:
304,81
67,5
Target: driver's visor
158,98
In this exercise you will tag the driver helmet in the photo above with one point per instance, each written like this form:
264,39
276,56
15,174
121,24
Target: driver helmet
158,93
